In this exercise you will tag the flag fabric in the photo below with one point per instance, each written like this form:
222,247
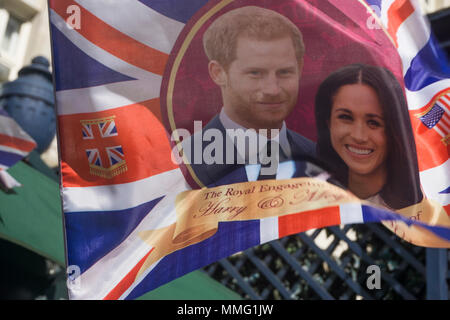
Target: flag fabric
15,144
427,85
438,116
119,184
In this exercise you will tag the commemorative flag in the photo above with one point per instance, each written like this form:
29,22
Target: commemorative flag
135,84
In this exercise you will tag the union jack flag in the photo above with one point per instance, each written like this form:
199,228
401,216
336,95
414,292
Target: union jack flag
107,160
112,67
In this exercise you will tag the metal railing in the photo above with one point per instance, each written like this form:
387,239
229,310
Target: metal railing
332,263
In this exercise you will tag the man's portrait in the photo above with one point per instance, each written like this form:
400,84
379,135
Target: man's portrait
240,90
256,59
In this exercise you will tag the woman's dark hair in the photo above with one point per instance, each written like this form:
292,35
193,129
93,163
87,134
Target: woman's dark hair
402,188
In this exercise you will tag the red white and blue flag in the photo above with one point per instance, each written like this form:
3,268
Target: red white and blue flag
15,144
118,181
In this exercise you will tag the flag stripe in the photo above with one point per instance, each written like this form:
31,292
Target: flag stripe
97,53
434,180
107,97
17,143
8,159
127,281
299,222
9,127
444,104
384,8
398,12
109,228
231,237
76,69
425,68
138,21
107,273
269,229
179,10
445,121
412,35
114,41
442,125
420,100
13,150
123,196
351,213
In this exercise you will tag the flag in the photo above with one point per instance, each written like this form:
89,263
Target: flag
437,117
427,85
15,144
120,188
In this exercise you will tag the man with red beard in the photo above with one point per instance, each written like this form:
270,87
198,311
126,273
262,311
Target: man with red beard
256,58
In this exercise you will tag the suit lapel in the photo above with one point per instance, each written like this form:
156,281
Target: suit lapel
220,174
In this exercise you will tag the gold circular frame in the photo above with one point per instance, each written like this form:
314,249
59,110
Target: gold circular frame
186,43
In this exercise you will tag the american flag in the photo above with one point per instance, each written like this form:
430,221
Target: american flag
437,116
111,68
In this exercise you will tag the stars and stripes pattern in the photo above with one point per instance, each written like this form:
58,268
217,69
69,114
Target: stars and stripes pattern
112,67
437,116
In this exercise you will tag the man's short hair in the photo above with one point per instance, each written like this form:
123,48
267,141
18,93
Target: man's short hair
220,39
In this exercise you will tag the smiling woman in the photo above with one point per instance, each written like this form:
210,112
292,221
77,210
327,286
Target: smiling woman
365,135
358,136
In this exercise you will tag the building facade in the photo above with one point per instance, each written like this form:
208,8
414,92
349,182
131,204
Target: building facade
430,6
24,34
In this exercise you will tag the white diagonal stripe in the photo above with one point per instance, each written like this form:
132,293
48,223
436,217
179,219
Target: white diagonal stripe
412,35
123,196
419,99
106,97
97,281
13,150
385,5
435,180
10,127
138,21
105,274
98,53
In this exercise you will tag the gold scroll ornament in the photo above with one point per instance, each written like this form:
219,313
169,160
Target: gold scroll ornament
198,212
427,211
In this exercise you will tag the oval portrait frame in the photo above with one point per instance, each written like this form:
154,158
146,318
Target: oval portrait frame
176,57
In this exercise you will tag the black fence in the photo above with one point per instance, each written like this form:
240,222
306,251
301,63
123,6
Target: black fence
337,263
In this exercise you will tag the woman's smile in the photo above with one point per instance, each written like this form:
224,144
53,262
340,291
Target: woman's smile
358,151
357,130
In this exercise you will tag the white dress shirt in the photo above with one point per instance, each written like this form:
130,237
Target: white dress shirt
285,170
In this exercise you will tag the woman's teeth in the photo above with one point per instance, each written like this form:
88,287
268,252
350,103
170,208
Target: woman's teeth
359,151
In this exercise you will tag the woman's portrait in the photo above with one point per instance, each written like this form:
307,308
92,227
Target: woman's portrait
365,136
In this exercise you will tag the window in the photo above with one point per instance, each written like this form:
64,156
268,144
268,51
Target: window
11,36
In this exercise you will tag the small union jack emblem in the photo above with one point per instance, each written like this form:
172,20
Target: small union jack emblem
105,159
437,116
